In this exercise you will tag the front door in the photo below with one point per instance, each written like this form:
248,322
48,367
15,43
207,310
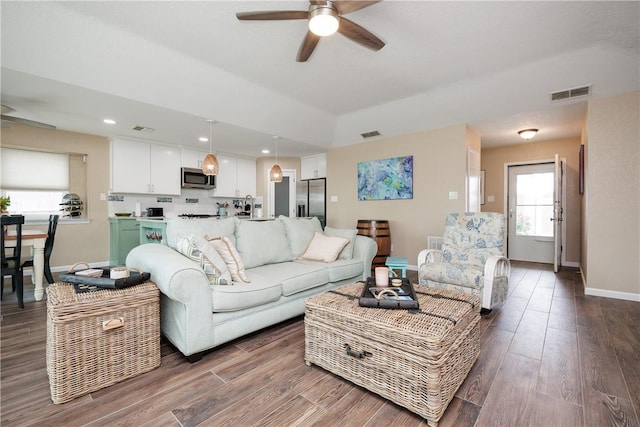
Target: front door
531,213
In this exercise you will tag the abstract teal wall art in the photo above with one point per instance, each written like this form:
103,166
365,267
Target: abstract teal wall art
386,179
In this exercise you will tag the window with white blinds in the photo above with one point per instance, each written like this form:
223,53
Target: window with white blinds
34,170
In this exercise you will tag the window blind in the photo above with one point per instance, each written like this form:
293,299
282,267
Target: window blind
34,170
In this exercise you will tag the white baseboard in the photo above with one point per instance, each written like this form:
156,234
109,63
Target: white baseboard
628,296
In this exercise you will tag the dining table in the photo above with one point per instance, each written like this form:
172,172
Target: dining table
33,239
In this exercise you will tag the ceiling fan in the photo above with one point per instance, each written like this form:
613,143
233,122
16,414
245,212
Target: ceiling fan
7,120
325,18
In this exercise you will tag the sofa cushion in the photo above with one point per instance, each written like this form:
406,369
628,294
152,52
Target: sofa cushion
231,257
324,248
300,232
262,242
256,293
348,233
461,275
294,277
183,227
338,270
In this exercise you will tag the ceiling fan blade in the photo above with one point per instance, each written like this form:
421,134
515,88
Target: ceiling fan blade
273,15
306,48
27,122
348,6
359,35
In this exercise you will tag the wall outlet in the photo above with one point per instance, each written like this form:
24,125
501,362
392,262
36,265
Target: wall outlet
453,195
334,199
491,199
103,196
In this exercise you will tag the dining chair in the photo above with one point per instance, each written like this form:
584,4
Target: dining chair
11,255
48,249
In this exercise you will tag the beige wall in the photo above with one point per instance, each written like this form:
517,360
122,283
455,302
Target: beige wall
494,159
613,196
74,242
439,166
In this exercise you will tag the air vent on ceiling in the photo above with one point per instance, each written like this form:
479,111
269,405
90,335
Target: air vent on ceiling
142,129
370,134
571,93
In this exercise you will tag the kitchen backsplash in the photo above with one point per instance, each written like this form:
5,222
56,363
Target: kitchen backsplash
191,201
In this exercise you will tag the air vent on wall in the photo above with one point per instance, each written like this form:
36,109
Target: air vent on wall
370,134
571,93
142,129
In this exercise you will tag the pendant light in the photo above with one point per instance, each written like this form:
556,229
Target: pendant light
275,174
210,164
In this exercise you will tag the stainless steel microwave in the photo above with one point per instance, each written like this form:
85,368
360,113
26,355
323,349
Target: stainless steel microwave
194,178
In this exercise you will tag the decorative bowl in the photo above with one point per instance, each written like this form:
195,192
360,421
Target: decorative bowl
123,214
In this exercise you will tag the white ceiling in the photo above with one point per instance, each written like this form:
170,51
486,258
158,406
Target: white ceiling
170,65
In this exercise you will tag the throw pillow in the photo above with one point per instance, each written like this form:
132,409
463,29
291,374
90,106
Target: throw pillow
347,252
300,232
231,257
324,248
188,247
210,254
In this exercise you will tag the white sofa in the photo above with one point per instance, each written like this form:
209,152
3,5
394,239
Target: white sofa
197,315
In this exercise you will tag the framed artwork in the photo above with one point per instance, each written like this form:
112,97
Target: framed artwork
386,179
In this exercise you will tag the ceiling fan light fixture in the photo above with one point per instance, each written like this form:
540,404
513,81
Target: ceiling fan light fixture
527,133
323,20
210,164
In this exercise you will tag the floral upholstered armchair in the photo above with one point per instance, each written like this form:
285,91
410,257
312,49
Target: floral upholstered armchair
472,258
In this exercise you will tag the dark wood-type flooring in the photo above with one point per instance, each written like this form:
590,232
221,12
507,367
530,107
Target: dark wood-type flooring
550,356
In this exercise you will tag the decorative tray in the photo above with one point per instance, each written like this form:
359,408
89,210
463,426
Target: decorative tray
84,282
403,297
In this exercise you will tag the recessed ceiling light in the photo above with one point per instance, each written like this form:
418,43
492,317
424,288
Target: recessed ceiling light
203,139
109,121
265,151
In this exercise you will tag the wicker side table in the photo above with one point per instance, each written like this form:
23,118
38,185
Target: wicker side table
96,339
415,358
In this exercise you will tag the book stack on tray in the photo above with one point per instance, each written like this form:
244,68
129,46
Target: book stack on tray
403,297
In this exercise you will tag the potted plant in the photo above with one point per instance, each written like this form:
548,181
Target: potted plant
4,203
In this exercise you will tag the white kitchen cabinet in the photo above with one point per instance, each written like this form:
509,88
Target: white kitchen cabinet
193,158
313,166
144,168
246,177
236,178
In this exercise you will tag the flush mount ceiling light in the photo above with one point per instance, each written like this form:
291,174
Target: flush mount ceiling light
275,174
210,163
527,133
323,20
109,121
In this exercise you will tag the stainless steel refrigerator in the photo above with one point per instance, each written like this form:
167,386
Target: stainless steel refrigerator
311,197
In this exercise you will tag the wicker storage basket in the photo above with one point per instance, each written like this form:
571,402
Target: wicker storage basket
415,358
96,339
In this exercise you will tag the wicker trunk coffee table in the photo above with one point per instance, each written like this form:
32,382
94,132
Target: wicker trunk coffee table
95,339
415,358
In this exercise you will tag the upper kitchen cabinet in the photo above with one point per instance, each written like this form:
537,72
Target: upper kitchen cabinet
313,166
143,168
236,178
193,158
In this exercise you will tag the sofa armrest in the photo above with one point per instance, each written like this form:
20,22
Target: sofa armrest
429,255
365,248
176,276
187,303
